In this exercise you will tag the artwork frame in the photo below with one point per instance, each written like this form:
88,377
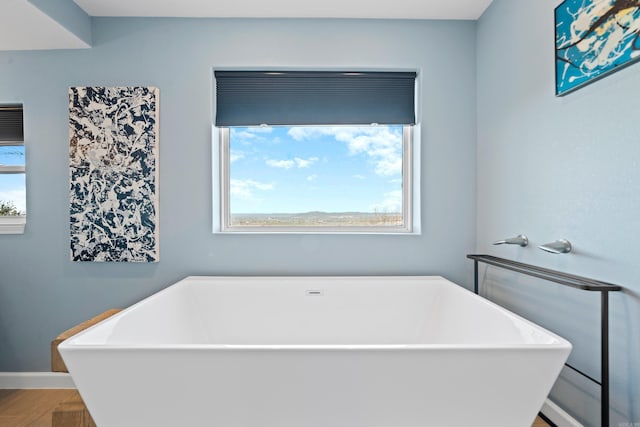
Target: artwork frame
114,174
593,39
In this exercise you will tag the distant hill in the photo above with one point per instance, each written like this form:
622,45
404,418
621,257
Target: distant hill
318,219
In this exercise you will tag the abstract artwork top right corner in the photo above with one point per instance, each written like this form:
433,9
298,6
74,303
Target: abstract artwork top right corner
593,39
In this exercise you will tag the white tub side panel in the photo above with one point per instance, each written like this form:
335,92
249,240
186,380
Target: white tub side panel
237,388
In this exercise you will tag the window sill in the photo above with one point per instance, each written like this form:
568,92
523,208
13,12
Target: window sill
12,224
317,231
314,233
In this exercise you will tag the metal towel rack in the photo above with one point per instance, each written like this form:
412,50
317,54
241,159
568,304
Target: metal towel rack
577,282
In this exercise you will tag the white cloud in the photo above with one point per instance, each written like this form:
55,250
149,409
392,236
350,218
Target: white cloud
261,129
244,188
312,177
235,155
16,197
392,202
381,144
249,136
305,163
283,164
302,133
388,167
250,133
288,164
358,176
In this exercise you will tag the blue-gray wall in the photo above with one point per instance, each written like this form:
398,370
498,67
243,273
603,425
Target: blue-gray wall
561,168
43,293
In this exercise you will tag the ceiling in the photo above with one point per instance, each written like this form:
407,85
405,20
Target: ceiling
49,24
24,26
394,9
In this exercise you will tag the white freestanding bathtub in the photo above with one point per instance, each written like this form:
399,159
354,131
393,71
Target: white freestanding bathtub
314,352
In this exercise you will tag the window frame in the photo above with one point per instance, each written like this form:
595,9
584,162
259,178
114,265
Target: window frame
12,224
410,198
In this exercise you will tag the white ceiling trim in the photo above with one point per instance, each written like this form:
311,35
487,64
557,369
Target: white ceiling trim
376,9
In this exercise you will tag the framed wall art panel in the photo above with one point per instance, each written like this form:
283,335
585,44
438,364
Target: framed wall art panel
114,174
593,39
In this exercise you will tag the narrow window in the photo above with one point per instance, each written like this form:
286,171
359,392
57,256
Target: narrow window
315,152
12,170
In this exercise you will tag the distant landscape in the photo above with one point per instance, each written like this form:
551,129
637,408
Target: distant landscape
318,219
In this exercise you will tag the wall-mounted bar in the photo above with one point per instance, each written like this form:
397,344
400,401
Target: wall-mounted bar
573,281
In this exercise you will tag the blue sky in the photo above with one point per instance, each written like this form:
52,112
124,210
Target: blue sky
318,168
12,186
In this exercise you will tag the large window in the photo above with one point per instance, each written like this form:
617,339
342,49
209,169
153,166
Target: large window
317,178
317,160
12,170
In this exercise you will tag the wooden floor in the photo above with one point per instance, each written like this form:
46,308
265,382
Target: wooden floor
539,422
30,408
33,408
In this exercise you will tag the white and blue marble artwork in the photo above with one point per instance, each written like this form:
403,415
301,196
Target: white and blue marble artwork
593,39
114,173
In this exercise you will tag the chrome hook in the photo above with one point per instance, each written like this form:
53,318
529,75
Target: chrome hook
520,239
561,246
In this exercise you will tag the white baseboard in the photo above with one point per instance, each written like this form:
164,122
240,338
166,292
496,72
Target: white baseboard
558,416
35,380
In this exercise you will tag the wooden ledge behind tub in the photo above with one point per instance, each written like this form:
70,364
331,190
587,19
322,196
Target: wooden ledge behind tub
57,364
73,412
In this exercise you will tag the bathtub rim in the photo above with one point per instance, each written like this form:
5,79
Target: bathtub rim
559,342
